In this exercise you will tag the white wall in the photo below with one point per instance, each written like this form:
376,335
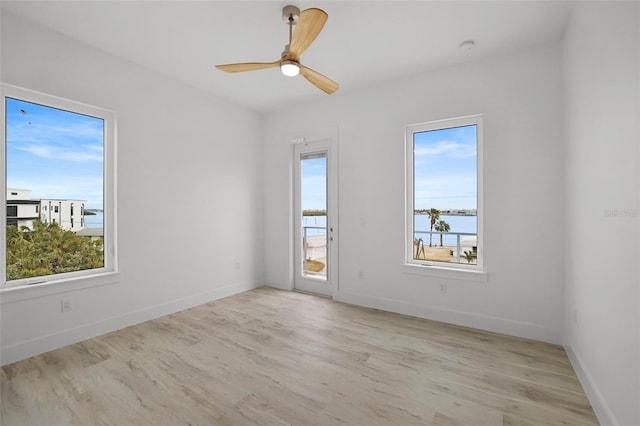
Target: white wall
602,89
521,99
175,152
177,148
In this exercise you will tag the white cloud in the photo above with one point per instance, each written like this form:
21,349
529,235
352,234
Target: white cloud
56,153
450,149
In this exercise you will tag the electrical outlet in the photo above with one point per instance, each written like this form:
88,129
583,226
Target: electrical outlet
65,305
361,274
443,287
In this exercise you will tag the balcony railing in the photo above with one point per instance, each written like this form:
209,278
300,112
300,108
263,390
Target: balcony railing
457,243
314,251
454,246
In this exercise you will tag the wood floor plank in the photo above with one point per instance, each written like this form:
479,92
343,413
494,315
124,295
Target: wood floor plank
269,357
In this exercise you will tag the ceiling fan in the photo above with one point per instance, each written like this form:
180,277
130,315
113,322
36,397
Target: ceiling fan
308,25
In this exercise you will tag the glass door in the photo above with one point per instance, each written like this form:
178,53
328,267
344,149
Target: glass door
315,226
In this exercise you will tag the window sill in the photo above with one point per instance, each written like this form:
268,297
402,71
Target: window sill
24,292
443,272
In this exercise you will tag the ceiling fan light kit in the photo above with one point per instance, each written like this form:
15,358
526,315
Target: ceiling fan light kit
289,68
308,25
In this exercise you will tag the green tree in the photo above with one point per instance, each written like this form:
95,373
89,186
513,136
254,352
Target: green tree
441,227
47,250
469,255
434,215
320,212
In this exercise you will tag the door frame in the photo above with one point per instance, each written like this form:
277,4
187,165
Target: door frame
320,140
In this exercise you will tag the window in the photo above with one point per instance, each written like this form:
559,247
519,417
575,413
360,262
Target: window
12,211
64,151
444,193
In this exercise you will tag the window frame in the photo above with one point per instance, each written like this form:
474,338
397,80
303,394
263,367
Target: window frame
444,269
109,186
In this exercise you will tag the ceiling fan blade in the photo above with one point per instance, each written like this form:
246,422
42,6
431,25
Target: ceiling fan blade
320,81
248,66
309,25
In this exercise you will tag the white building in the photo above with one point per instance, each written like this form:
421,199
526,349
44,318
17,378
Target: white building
22,210
69,214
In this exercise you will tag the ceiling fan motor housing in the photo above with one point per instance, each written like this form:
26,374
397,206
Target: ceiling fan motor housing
290,12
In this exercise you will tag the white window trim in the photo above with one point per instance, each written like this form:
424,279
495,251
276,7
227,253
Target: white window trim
109,186
441,269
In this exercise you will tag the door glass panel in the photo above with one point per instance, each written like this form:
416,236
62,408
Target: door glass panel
313,198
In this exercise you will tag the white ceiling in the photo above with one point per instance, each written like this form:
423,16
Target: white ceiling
364,43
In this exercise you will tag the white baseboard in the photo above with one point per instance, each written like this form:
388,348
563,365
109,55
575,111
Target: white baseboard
482,322
279,286
600,408
42,344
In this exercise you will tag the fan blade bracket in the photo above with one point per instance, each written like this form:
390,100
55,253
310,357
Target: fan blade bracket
288,56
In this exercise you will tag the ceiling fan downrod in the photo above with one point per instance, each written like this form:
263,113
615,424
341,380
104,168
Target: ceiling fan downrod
290,15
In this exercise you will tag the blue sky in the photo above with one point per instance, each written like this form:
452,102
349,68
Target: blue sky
59,154
55,153
314,183
445,168
445,171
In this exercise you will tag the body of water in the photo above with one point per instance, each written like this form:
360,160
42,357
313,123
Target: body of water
464,224
94,220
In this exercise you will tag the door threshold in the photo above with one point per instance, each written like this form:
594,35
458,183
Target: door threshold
312,293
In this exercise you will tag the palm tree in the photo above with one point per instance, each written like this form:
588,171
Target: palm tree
441,227
434,214
469,255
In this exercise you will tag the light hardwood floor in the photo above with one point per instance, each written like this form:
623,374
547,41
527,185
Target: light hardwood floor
270,357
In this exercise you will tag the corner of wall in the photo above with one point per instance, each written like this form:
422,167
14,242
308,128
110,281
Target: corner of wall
597,53
28,348
602,411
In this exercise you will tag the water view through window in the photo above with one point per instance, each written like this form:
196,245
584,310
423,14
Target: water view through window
445,201
314,214
55,190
